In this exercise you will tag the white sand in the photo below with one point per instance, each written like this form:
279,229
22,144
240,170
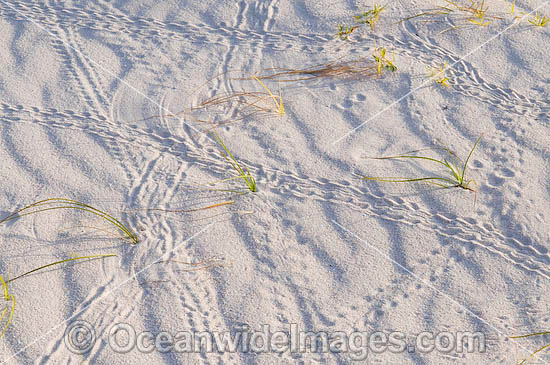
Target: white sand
316,248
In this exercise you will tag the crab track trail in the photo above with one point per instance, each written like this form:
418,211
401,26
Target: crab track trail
469,81
197,300
280,182
147,28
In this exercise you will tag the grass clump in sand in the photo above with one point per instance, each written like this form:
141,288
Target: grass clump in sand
382,62
10,299
362,68
539,350
243,173
477,10
457,173
244,104
355,69
345,32
473,13
370,16
63,203
539,20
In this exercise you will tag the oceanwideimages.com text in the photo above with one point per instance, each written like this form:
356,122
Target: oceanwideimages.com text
123,338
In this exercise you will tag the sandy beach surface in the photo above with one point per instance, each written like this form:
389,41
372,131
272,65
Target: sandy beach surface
124,106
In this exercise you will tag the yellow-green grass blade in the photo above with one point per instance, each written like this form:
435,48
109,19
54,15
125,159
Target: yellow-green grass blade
107,218
10,316
279,103
470,155
413,157
7,297
4,287
69,204
539,350
61,262
455,173
531,335
245,175
454,168
432,180
228,179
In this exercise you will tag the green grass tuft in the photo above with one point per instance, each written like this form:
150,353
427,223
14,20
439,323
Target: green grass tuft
370,16
382,62
455,180
63,203
539,20
473,13
344,32
242,173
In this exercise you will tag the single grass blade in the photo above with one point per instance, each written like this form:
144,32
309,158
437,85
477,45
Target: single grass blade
192,210
532,334
60,262
7,297
407,179
470,155
413,157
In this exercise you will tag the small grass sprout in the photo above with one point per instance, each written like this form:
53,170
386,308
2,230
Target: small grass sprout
344,32
243,173
478,12
382,62
539,20
438,75
371,16
11,299
539,350
63,203
456,179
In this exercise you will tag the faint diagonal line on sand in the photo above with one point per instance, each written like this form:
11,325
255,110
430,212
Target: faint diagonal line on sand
118,285
379,252
430,79
168,112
